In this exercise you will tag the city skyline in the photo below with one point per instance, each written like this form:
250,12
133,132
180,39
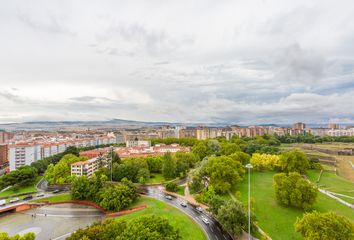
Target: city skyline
280,62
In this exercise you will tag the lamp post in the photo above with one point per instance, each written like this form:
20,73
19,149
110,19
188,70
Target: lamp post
111,163
249,166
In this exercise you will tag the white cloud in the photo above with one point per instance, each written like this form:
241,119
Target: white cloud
234,61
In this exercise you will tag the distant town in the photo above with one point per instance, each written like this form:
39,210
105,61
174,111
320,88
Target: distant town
19,148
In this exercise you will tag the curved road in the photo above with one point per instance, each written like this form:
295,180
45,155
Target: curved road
213,230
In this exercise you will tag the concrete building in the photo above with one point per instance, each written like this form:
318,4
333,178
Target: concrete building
188,133
299,126
5,136
84,168
333,126
341,132
3,155
23,154
137,143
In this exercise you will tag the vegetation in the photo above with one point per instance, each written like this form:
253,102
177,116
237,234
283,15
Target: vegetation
21,190
27,236
145,227
168,167
55,198
23,176
294,190
112,197
171,187
317,226
294,161
262,162
189,230
61,172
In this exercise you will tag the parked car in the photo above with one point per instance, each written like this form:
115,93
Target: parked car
183,204
14,200
56,191
168,197
29,197
205,220
199,209
40,195
2,202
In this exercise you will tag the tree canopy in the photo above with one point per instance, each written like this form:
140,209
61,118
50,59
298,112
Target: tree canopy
294,161
318,226
23,176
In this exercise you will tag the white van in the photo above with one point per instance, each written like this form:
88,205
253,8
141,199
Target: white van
2,202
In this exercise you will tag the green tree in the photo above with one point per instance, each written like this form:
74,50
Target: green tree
293,190
155,163
294,161
233,217
229,148
242,157
171,187
27,236
23,176
263,162
200,150
224,172
169,166
318,226
215,204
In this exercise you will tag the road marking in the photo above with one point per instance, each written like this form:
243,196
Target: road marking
216,237
212,229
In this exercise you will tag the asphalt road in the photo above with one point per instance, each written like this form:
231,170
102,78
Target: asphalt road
213,230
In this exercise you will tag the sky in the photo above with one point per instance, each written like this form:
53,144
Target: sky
224,61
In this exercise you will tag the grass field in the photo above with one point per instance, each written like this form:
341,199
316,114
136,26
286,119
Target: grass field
56,198
277,220
180,190
26,189
188,228
155,178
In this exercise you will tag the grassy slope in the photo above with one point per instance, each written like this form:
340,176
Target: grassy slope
56,198
278,221
180,190
187,227
26,189
156,178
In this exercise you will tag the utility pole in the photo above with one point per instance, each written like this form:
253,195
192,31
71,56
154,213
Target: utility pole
249,166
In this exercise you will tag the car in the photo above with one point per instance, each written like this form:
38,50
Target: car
29,197
14,200
56,191
40,195
205,220
2,202
183,204
199,209
168,197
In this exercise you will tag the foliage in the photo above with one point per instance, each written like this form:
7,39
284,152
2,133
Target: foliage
171,187
224,172
23,176
206,195
117,197
154,163
169,166
27,236
200,150
264,161
61,172
242,157
215,204
233,217
294,161
142,228
317,226
213,147
229,148
83,188
293,190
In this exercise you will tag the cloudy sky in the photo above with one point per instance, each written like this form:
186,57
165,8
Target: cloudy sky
257,61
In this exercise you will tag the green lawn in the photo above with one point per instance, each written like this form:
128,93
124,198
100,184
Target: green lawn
180,190
155,178
26,189
277,220
56,198
334,183
188,228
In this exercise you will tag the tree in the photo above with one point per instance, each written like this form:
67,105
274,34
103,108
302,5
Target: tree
242,157
171,187
155,163
294,161
23,176
61,172
318,226
213,147
224,172
263,162
215,204
200,150
229,148
169,166
141,228
293,190
26,236
233,217
118,197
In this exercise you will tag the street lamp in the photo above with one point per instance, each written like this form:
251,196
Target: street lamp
111,162
249,166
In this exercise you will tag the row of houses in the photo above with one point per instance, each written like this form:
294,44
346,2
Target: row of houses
20,154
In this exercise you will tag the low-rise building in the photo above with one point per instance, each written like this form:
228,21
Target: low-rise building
138,143
84,168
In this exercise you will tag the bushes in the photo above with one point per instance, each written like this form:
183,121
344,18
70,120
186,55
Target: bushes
317,226
171,187
293,190
263,162
23,176
294,161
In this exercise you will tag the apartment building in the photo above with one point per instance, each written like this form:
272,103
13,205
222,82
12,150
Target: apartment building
341,132
84,168
5,136
137,143
23,154
3,155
